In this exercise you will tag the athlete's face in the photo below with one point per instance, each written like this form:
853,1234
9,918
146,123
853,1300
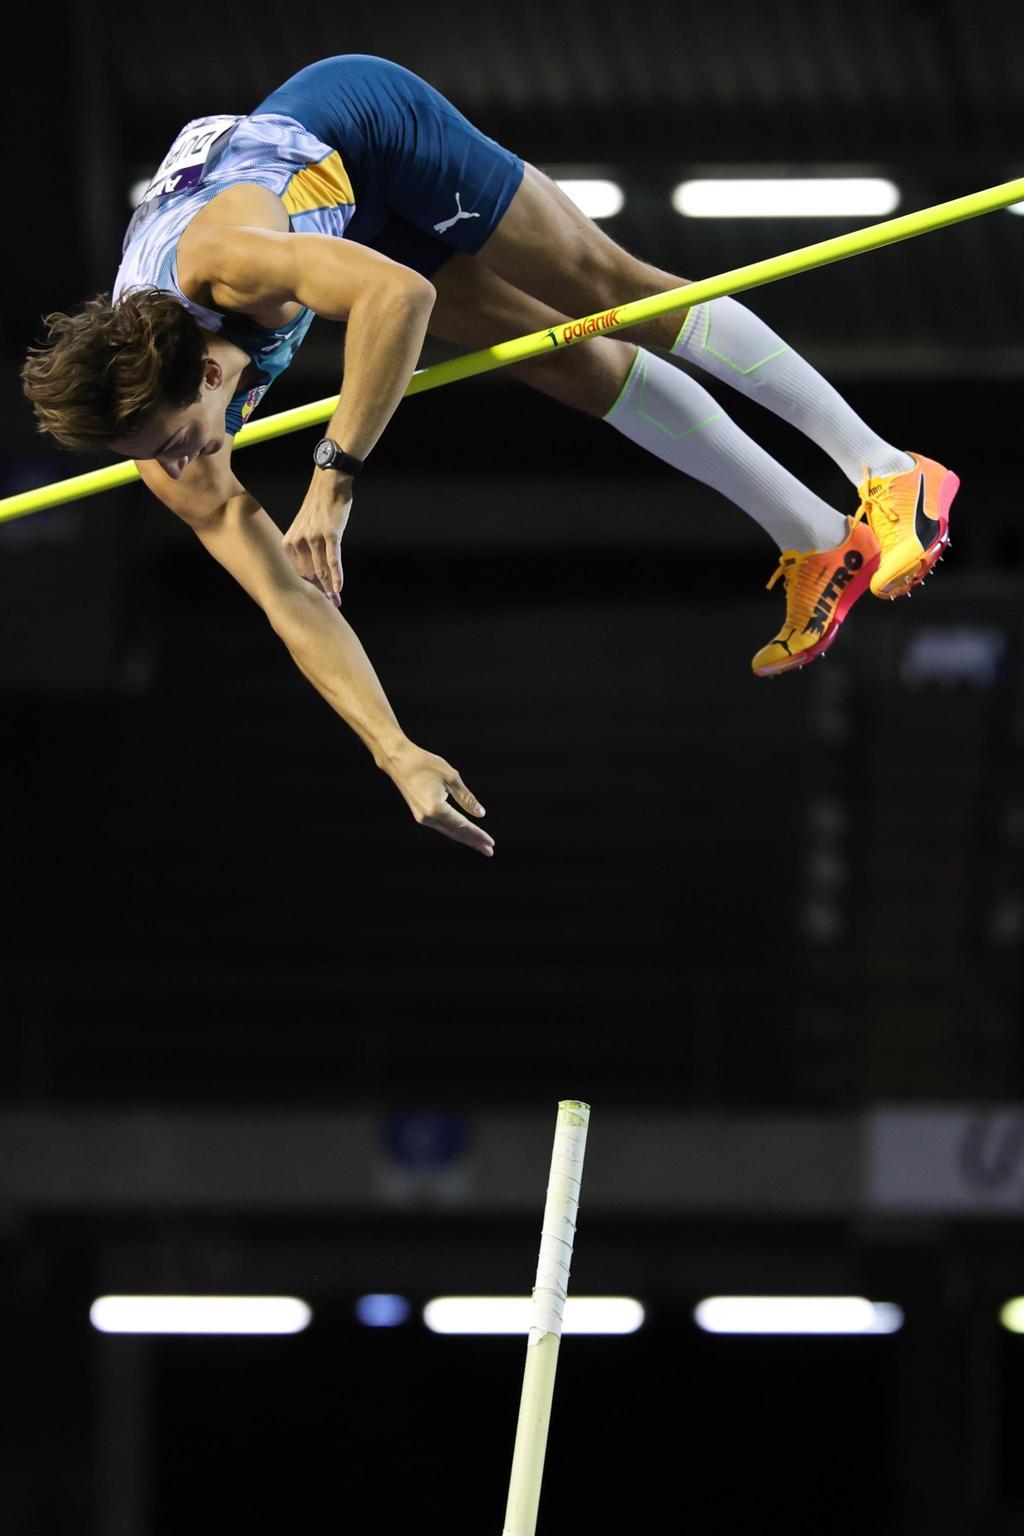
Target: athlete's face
175,437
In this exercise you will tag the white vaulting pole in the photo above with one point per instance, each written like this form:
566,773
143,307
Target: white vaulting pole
549,1294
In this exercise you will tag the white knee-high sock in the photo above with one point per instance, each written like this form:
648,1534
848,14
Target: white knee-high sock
730,342
665,411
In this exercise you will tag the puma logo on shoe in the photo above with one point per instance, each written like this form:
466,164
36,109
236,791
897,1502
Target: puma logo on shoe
447,223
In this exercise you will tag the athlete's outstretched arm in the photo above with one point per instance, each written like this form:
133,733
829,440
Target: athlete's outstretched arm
231,524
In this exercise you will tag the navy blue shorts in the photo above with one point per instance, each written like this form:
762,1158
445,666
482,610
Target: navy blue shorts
426,182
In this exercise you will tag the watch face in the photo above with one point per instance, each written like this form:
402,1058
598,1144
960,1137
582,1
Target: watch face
323,453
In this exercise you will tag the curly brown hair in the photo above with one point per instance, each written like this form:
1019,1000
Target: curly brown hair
106,370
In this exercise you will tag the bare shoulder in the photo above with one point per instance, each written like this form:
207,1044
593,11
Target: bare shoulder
244,205
202,491
232,526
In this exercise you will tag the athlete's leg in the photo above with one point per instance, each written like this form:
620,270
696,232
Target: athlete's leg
545,245
645,397
475,308
662,409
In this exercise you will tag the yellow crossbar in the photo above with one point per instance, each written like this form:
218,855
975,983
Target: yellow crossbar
566,335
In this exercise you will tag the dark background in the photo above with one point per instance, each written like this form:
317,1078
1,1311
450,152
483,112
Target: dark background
748,915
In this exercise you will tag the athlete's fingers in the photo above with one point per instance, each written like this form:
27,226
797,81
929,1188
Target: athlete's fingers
300,555
333,562
464,796
304,567
327,560
448,821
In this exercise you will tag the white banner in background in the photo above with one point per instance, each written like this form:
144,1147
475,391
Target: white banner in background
955,1159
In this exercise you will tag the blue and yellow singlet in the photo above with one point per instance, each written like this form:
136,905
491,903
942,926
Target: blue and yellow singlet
209,155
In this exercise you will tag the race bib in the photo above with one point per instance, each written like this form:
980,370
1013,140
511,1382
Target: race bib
183,165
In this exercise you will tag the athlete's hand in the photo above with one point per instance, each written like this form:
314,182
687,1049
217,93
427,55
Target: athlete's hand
313,542
426,782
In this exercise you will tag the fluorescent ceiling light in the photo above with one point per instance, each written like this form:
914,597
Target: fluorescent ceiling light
199,1314
1016,208
511,1314
814,197
797,1314
136,190
596,198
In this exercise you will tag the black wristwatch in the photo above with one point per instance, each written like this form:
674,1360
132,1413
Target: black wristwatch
328,455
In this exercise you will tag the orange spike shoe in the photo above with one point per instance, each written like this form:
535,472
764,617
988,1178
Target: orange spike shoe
909,515
821,588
